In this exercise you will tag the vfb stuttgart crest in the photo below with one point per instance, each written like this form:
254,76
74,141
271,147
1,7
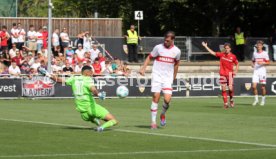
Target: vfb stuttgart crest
247,86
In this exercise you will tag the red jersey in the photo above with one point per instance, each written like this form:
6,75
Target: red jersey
97,68
227,62
45,37
4,39
101,59
17,60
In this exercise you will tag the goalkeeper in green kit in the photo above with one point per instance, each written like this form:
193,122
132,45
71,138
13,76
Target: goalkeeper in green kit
83,90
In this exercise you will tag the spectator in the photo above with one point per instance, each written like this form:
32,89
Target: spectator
108,68
97,67
55,68
41,57
30,58
273,43
14,34
55,41
125,69
32,45
60,57
87,41
4,37
78,68
39,41
21,36
80,39
80,52
240,41
68,69
45,36
64,40
18,59
94,52
4,71
43,64
13,50
69,52
14,70
25,67
36,64
101,60
44,52
132,42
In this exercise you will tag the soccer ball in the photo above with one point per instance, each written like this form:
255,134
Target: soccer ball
122,91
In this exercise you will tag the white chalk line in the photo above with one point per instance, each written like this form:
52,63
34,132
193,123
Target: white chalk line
150,133
134,153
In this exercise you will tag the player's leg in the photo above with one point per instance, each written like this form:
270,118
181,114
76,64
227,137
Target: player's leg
102,113
167,91
263,83
263,94
223,83
255,81
156,88
154,108
231,90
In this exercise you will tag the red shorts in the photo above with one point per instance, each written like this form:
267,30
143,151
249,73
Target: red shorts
229,80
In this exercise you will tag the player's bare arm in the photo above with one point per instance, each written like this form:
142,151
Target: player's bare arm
204,44
236,69
176,66
94,90
143,68
57,79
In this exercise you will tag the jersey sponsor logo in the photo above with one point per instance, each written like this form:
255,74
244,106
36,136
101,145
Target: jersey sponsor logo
165,59
260,59
226,59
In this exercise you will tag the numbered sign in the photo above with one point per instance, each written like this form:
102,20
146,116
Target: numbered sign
138,15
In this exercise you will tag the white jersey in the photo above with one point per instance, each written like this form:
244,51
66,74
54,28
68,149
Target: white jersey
21,33
14,33
163,66
260,57
31,36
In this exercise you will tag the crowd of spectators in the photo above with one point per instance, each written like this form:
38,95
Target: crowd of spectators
22,52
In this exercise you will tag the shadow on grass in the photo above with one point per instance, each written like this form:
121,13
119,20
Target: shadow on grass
89,129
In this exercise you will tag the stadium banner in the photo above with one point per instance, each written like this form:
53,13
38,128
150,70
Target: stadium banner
138,87
38,86
10,88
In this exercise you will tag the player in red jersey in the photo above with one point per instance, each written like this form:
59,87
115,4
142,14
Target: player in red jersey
227,62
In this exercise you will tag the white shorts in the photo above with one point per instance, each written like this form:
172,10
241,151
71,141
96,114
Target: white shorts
259,77
157,87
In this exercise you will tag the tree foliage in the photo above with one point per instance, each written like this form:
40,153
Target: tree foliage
185,17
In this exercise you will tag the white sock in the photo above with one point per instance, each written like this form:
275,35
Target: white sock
263,98
154,107
256,98
165,107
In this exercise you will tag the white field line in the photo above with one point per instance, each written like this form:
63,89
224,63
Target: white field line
150,133
133,153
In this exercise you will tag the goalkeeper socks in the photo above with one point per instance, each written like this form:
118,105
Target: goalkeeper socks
154,107
165,107
224,96
109,124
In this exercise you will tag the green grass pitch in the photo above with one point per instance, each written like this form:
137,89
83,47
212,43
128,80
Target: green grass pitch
196,129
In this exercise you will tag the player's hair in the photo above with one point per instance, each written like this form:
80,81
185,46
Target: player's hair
227,44
170,34
86,68
260,42
4,27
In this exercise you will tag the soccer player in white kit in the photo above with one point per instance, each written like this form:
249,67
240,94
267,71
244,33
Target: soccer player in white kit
260,59
165,67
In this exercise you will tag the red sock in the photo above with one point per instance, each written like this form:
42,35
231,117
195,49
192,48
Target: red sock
224,95
231,94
